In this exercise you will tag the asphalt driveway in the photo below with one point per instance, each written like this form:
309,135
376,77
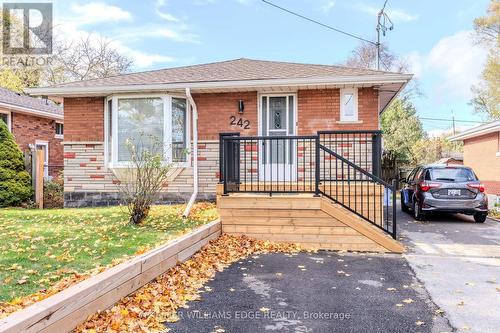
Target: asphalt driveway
447,281
458,262
314,292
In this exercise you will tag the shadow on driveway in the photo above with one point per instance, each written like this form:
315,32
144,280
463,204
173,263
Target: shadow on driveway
313,292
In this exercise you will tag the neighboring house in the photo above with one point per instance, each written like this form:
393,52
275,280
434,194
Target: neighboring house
251,97
36,123
482,154
450,160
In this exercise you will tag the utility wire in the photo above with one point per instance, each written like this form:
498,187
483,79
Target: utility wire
451,120
317,22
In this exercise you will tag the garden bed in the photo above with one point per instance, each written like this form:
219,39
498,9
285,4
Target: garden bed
45,251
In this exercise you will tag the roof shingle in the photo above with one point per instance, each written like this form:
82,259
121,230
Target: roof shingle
12,98
231,70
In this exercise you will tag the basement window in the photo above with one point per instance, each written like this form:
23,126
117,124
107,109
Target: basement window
156,123
349,104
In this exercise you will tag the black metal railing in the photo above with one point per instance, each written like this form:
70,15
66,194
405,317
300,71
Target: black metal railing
361,192
268,164
363,148
343,166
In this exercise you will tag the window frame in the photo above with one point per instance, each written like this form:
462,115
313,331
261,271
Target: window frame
343,116
58,136
167,128
9,119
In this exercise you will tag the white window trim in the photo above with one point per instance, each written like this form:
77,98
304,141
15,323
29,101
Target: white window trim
9,119
59,136
167,123
343,117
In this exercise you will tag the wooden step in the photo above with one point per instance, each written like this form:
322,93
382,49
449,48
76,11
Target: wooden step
313,222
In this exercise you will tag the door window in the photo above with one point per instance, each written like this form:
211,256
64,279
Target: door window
277,119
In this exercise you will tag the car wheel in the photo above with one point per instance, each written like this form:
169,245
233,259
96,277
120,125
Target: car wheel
404,207
480,217
417,211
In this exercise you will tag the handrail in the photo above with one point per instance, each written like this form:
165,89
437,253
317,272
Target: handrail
369,211
277,137
351,132
363,171
304,164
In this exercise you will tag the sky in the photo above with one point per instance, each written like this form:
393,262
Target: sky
434,36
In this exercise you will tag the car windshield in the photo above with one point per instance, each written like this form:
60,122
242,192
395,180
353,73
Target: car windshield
453,174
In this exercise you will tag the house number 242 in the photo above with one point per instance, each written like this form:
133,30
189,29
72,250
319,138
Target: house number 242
243,123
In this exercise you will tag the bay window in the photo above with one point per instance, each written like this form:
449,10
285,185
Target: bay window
156,123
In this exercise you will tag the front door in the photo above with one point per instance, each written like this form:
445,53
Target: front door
277,156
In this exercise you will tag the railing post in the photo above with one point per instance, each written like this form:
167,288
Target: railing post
225,146
394,209
316,170
221,157
376,154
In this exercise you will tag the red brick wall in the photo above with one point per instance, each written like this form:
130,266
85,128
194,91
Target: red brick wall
320,110
215,110
317,110
84,119
27,129
480,154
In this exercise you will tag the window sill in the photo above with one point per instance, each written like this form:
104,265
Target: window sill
347,122
59,136
125,166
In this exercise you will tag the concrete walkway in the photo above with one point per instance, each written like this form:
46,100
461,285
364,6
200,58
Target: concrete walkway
458,262
314,292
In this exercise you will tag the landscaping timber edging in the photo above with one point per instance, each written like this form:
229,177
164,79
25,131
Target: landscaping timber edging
63,311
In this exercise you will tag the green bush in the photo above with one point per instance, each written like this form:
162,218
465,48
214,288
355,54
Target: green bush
53,193
15,182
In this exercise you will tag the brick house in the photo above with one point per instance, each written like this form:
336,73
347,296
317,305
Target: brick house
482,154
36,124
195,104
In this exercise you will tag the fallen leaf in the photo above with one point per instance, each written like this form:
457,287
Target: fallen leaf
419,323
408,301
264,309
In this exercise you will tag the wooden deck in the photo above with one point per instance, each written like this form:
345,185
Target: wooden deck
367,199
313,222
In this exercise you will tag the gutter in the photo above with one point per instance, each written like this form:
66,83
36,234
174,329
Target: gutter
339,80
195,153
477,131
31,111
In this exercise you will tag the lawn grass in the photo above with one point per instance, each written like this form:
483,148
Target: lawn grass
40,247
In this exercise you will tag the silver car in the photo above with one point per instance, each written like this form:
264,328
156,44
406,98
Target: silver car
444,188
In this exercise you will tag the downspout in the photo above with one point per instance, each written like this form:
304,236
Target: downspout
195,153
